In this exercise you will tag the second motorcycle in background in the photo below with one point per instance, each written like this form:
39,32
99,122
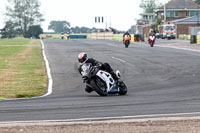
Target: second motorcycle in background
126,39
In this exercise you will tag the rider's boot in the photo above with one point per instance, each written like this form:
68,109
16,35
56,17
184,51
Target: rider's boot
88,89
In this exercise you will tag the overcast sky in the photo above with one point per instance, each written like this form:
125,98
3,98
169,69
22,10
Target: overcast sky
120,14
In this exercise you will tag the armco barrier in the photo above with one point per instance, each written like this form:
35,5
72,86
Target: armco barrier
101,35
193,39
198,39
184,36
181,36
118,37
188,37
58,36
88,36
132,38
77,36
145,39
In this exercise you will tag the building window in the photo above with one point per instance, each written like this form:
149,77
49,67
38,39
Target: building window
176,14
145,17
191,13
150,18
187,13
170,14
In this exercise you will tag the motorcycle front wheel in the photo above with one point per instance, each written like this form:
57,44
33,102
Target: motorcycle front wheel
126,44
152,44
99,86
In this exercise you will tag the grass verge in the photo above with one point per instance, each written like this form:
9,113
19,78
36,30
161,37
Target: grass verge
22,69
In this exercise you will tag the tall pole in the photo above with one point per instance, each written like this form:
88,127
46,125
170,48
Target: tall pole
198,14
110,22
106,23
164,12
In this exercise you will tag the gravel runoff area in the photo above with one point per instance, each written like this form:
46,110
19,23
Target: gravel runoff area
151,125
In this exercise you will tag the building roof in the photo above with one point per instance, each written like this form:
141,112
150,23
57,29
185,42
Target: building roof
181,4
189,20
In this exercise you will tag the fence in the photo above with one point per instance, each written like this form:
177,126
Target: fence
102,35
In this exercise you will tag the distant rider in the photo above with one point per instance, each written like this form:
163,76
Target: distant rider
62,35
152,35
83,58
126,34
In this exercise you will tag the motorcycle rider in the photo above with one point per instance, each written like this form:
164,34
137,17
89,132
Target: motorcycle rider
83,58
152,36
126,33
62,35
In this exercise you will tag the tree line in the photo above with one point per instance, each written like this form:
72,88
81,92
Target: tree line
64,27
23,18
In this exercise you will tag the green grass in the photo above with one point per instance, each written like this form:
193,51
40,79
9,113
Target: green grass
31,74
10,51
16,41
6,53
3,64
22,70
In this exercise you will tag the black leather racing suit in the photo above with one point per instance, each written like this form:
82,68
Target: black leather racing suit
104,66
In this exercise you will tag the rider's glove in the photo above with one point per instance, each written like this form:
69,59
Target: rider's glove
99,64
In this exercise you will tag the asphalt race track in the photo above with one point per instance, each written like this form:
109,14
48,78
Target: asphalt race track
161,82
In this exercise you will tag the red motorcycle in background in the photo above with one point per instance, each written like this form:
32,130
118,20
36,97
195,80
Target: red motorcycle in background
127,39
152,40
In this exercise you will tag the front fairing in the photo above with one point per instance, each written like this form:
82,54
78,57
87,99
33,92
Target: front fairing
112,88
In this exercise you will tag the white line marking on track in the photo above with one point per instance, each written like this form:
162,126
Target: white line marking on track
109,118
50,80
111,44
118,59
123,61
194,50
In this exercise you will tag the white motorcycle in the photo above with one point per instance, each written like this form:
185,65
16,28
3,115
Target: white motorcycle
101,81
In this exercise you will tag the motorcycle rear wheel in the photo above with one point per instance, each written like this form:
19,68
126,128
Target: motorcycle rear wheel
123,88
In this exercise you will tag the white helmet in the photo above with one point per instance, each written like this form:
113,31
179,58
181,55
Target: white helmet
82,58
